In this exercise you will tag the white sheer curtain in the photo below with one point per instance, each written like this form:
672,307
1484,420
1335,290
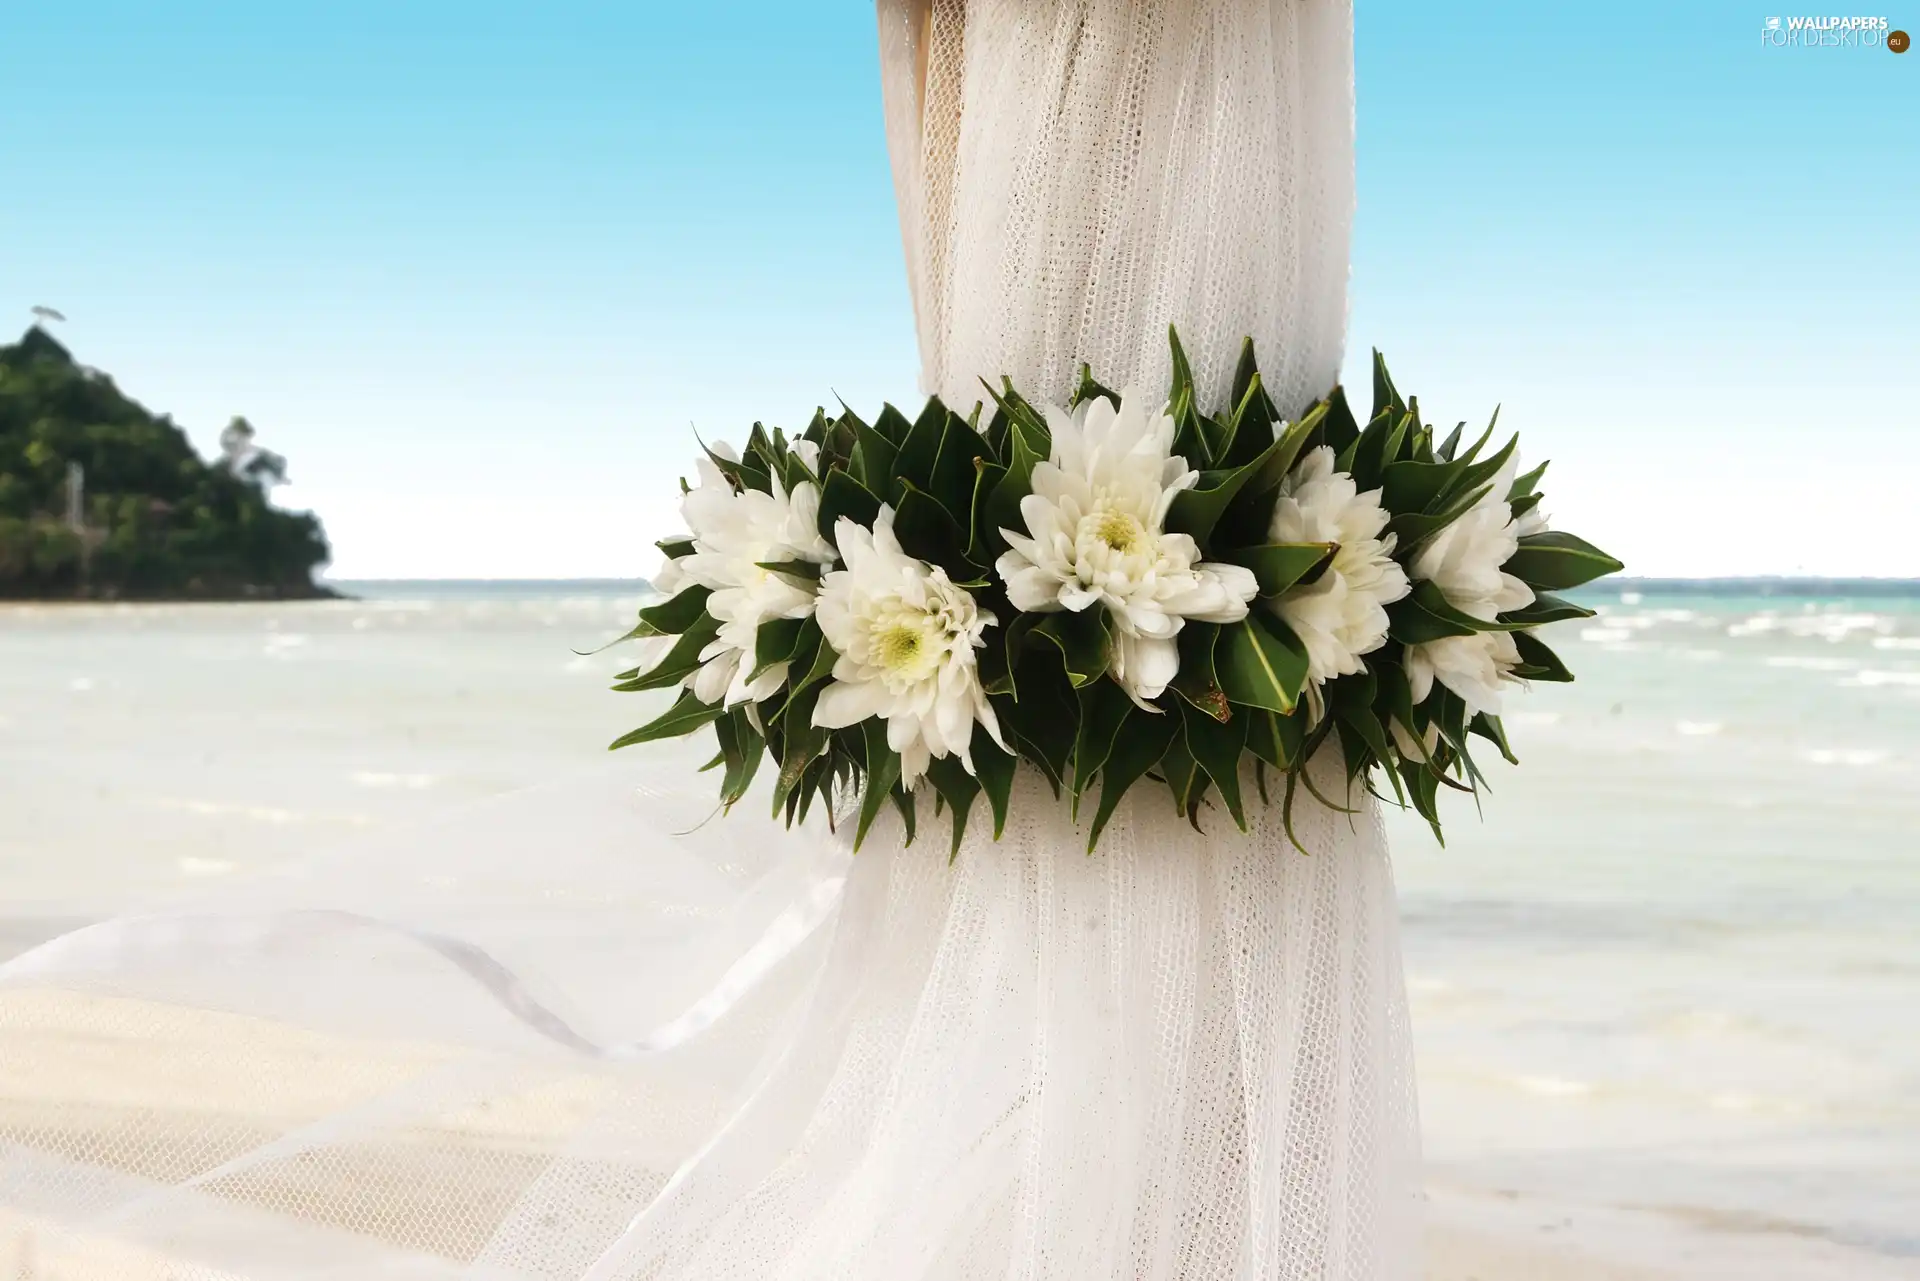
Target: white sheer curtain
583,1035
1076,175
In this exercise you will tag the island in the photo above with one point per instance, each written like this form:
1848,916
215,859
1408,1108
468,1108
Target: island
102,500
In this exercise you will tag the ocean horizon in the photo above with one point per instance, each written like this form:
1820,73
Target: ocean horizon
1665,976
1797,586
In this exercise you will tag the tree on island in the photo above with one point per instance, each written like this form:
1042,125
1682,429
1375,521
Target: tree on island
157,520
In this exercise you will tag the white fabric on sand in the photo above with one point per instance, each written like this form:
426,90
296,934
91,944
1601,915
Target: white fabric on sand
590,1033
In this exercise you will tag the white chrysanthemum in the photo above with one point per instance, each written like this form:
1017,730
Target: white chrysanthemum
733,535
1474,667
1413,748
1341,615
1465,561
1096,535
904,635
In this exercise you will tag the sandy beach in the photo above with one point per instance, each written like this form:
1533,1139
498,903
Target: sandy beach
1651,992
64,1081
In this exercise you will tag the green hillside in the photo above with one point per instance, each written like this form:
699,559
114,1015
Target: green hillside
160,521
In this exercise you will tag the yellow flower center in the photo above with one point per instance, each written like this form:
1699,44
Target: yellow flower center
899,647
1119,531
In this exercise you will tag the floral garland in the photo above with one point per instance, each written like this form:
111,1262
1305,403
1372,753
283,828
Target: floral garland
1117,590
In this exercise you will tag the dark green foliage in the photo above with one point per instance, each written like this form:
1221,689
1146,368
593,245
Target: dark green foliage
161,522
1241,697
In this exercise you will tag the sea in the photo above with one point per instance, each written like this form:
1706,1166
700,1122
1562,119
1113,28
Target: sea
1669,967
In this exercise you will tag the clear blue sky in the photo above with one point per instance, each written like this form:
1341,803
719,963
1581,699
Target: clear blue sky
476,268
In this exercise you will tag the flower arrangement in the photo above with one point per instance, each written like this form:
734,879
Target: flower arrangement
1119,590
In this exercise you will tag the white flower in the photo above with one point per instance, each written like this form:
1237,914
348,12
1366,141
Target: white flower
905,637
1474,667
1096,534
1534,522
671,578
1464,561
1341,615
733,535
1412,748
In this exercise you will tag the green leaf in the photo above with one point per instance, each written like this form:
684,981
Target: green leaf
671,617
1546,608
842,495
802,743
883,771
1426,615
1385,395
805,572
742,748
1137,748
1041,717
1476,475
1335,424
1028,444
1196,511
1352,699
1411,529
909,812
958,789
1196,681
1410,486
679,662
1555,561
675,548
1088,388
1246,375
955,469
927,530
684,717
918,452
1274,738
981,540
1378,445
872,461
776,640
1249,513
1185,779
893,427
1083,640
1490,728
1250,428
1261,662
1104,707
1278,566
1218,748
1423,789
994,768
1188,438
1538,662
1527,485
817,670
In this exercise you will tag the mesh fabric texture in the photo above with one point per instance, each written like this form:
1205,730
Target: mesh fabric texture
580,1036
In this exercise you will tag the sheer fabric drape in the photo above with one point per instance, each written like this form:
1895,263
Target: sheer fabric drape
584,1035
1074,176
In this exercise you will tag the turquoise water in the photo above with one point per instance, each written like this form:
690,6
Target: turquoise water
1676,966
1674,969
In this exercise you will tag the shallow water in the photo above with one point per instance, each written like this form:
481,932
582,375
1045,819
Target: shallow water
1681,947
1676,968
